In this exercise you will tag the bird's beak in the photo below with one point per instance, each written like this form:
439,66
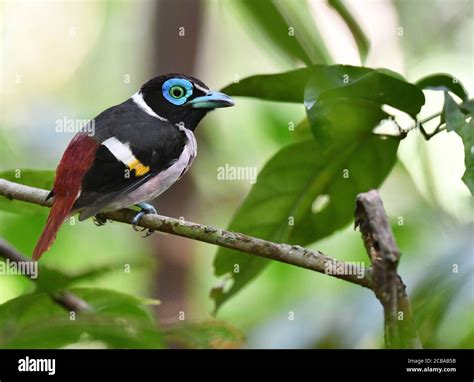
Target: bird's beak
212,100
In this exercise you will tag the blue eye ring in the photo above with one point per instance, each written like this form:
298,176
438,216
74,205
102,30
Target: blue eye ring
177,90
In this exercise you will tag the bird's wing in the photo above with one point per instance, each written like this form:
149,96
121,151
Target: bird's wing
107,180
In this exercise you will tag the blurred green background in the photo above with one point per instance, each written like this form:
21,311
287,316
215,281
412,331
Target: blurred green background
71,60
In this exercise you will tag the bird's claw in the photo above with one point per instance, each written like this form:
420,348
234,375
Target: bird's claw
99,221
145,210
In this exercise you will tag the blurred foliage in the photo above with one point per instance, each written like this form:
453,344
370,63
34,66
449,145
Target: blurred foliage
118,320
204,335
290,28
301,195
360,38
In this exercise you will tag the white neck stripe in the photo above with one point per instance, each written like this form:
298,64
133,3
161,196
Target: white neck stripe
138,99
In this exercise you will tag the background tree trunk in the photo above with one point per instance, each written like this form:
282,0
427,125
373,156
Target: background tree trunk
174,52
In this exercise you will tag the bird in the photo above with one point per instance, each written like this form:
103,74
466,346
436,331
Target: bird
138,149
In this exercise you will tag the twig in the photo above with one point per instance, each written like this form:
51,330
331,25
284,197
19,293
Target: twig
384,254
66,299
290,254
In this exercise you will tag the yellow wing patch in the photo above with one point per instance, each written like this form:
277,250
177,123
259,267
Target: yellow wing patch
139,167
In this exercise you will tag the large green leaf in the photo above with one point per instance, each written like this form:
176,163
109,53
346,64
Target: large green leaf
309,85
360,38
331,109
381,89
289,26
456,121
118,320
286,189
290,86
444,82
34,178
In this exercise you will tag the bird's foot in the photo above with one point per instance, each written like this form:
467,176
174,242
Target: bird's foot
99,220
145,210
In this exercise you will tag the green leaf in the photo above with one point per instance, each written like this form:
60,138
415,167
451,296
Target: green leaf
381,89
274,87
468,107
319,81
444,82
340,118
302,131
324,100
204,335
118,320
454,117
456,121
33,178
360,38
289,184
275,18
298,16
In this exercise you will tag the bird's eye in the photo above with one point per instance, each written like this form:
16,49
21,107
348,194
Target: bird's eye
177,91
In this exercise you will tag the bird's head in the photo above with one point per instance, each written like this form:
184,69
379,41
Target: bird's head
181,99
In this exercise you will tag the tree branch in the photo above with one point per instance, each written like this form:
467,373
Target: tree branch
387,285
66,299
290,254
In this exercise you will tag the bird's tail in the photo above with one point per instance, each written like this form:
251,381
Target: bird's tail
75,162
60,210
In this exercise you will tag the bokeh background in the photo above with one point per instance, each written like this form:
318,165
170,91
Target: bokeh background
73,59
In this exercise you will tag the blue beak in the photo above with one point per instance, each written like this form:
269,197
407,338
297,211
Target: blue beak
212,100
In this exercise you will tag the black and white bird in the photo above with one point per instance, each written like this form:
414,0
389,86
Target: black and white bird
138,150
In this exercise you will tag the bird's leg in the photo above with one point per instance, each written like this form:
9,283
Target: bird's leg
99,220
145,210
